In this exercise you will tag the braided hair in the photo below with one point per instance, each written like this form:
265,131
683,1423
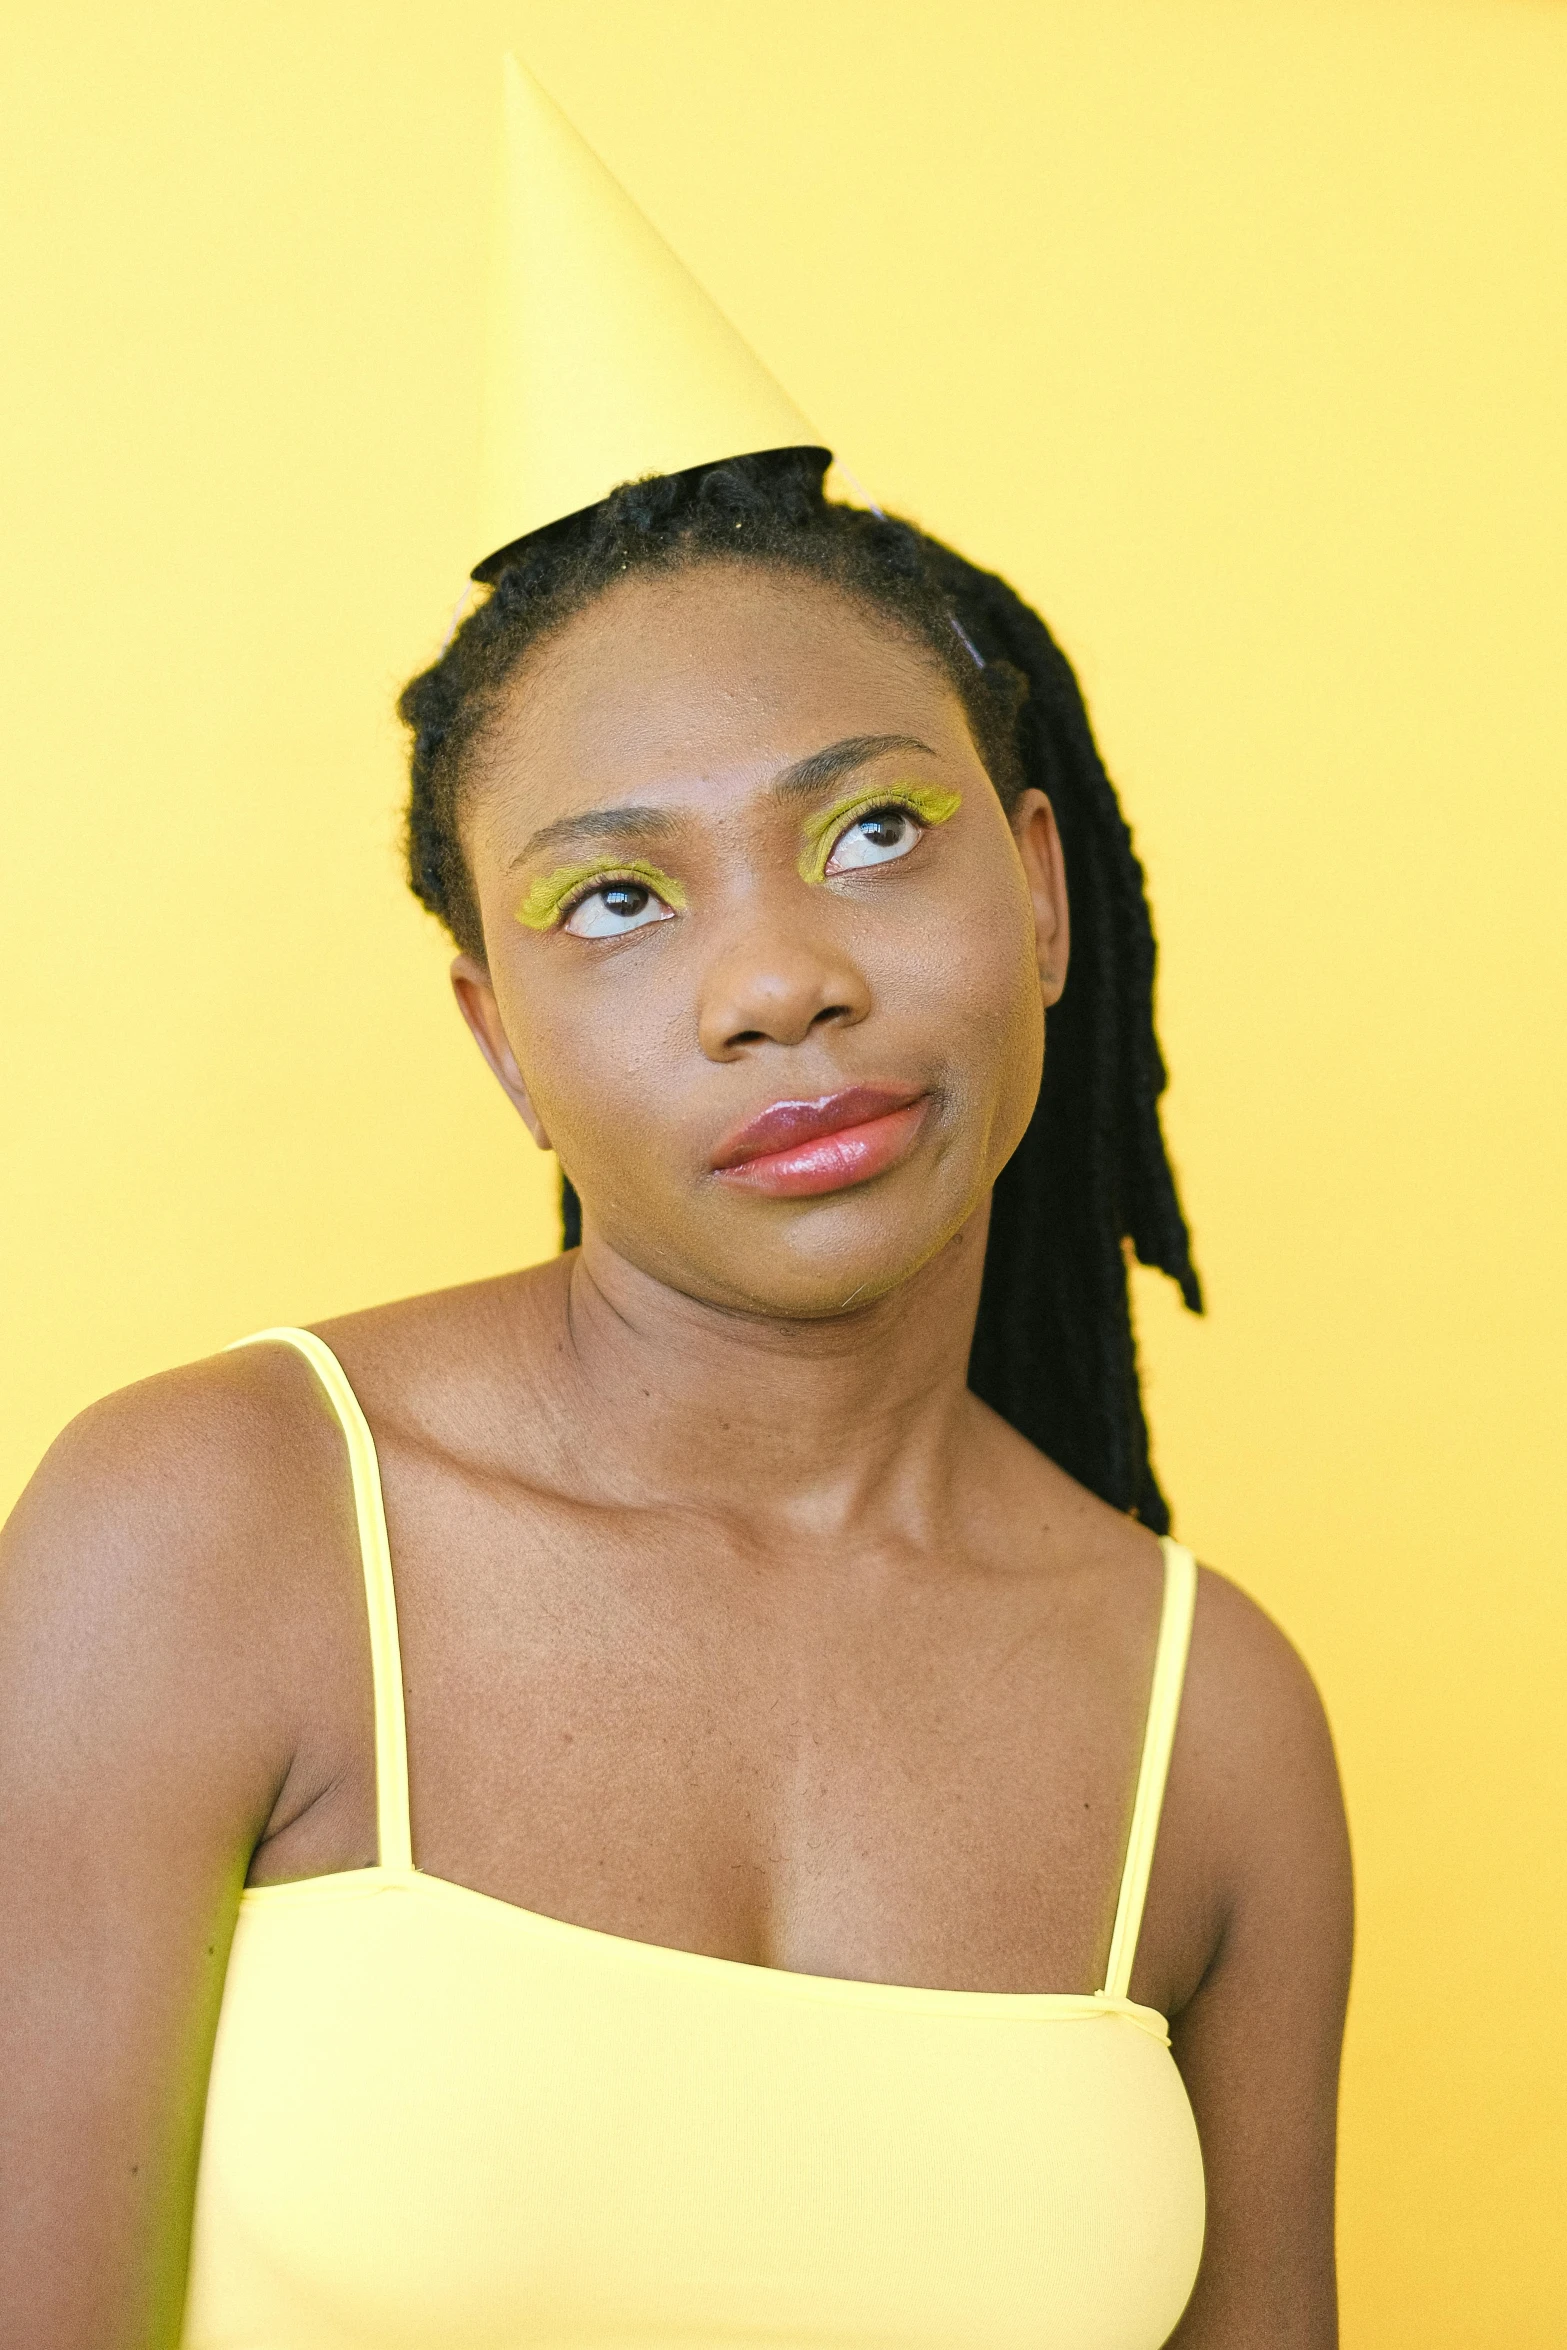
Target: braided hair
1053,1348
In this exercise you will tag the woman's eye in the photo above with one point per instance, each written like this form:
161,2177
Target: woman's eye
614,908
874,839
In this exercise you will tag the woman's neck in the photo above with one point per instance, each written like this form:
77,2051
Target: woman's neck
815,1425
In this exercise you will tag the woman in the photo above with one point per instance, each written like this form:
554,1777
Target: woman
788,1660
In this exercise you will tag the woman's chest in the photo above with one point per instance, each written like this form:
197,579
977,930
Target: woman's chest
433,2121
869,1766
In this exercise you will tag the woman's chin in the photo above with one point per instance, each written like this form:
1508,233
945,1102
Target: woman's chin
851,1251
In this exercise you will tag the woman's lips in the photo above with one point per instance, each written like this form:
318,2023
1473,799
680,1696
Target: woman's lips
796,1148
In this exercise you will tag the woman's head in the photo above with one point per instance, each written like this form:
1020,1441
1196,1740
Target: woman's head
731,797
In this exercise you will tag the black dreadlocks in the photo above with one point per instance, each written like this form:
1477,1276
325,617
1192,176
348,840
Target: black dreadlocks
1053,1346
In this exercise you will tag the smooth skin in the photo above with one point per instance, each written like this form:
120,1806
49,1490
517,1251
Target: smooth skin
731,1620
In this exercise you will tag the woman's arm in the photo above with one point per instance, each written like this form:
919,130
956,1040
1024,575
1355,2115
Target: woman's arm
147,1729
1258,2044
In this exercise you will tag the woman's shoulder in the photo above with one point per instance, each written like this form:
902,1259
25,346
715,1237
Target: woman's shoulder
180,1669
162,1467
1255,1729
199,1487
212,1440
166,1558
1253,1829
1244,1675
1253,1772
445,1372
171,1474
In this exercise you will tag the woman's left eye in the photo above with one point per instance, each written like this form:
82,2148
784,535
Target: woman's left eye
615,908
874,839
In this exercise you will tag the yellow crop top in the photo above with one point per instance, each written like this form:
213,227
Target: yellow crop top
439,2122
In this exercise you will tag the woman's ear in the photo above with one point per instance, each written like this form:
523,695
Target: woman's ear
476,1001
1044,869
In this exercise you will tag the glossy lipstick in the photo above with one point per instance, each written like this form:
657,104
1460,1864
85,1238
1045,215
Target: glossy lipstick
795,1149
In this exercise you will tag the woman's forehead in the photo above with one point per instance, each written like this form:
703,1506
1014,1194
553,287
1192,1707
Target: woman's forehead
725,672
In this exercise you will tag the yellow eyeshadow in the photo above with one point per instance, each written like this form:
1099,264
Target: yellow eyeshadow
540,909
823,832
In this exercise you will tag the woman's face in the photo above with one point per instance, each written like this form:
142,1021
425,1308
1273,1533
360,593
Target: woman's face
767,964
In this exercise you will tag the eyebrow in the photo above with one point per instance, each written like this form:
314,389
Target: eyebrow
809,776
802,781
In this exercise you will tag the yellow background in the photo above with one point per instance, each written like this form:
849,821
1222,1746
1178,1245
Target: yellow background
1233,331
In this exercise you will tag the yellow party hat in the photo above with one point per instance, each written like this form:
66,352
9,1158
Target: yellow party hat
607,359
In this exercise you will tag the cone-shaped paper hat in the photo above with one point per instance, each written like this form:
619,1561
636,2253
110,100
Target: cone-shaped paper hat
607,360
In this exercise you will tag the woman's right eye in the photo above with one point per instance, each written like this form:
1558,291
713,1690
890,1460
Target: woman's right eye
615,908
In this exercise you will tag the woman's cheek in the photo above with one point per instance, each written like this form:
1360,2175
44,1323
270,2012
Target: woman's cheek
992,978
982,972
602,1091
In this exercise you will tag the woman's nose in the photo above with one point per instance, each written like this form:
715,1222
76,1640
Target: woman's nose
773,984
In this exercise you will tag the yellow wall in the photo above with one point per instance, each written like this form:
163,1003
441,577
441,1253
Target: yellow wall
1233,330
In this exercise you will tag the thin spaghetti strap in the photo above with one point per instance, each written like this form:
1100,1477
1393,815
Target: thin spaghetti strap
394,1844
1164,1704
